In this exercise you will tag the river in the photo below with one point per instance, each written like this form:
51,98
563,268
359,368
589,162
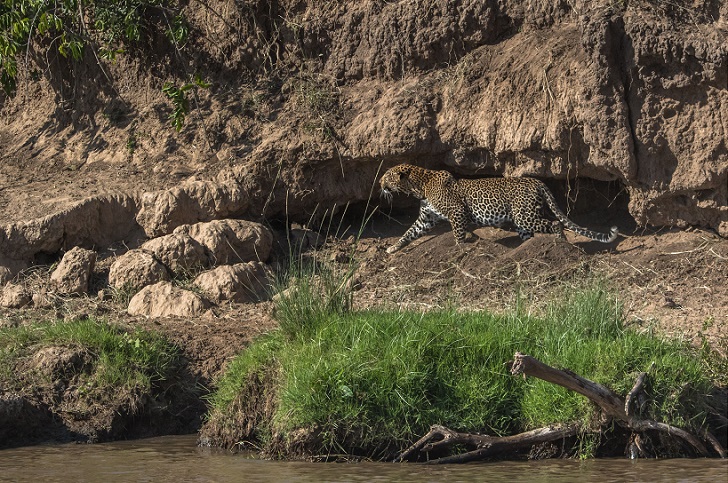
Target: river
176,459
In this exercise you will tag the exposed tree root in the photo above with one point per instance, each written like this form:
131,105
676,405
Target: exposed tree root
440,437
611,404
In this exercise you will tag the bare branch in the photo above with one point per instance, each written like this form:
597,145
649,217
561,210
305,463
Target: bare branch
632,393
610,403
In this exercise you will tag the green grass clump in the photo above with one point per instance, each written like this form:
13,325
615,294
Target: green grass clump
309,295
119,359
387,376
258,356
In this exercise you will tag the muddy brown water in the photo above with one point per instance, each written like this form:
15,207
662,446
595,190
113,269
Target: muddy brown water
177,459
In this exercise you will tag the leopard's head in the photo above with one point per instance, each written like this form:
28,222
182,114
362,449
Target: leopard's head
400,179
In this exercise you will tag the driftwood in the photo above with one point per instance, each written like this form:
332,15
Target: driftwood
611,404
440,436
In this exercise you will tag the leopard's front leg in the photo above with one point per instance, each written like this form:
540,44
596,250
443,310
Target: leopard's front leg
459,221
427,219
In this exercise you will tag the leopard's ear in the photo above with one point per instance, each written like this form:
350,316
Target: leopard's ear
404,173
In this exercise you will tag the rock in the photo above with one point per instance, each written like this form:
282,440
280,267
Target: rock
242,282
74,272
195,201
55,361
165,300
231,241
178,252
93,221
9,268
135,270
14,297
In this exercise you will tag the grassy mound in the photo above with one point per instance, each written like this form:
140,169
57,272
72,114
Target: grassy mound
370,383
84,380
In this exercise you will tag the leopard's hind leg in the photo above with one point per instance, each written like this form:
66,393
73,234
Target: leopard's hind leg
540,225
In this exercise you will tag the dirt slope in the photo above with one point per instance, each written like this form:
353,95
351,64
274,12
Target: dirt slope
308,90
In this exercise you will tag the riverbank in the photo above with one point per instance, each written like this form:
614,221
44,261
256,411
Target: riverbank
331,383
540,270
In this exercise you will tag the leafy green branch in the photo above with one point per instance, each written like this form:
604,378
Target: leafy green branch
68,26
180,101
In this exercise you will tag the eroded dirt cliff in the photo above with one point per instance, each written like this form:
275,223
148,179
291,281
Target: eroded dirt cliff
310,100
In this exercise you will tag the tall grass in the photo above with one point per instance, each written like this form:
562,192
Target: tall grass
309,293
386,376
309,290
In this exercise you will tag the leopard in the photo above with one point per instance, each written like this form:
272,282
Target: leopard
483,201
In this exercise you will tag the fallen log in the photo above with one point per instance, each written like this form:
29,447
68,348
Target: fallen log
611,404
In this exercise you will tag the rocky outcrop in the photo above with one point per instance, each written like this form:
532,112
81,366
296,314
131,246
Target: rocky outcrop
73,273
239,246
165,300
194,247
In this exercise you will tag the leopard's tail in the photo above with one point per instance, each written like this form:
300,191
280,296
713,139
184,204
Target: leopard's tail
594,235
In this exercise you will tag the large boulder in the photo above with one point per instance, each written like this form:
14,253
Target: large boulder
242,282
231,241
73,274
135,270
165,300
178,252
